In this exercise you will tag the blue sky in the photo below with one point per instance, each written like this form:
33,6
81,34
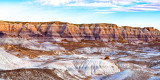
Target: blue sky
136,13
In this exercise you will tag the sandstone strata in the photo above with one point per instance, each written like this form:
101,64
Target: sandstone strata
76,32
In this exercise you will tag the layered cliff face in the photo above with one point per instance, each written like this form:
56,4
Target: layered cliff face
76,32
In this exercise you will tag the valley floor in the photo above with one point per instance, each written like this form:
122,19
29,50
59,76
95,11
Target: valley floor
22,59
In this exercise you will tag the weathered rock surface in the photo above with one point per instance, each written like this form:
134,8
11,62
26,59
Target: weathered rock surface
76,32
37,74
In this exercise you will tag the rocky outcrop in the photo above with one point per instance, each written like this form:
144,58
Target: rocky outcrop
76,32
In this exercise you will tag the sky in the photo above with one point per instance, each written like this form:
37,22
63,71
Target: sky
136,13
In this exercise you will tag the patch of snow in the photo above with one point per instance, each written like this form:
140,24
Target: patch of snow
111,53
148,55
44,58
154,78
62,65
153,54
96,66
118,76
85,66
150,50
94,49
156,67
125,65
126,75
73,56
121,76
57,40
122,55
81,56
131,52
31,44
8,61
49,46
129,58
46,46
13,41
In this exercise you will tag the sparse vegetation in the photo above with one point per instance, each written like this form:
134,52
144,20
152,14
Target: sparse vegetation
107,57
122,40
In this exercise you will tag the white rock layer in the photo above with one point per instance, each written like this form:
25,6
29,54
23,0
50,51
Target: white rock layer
8,61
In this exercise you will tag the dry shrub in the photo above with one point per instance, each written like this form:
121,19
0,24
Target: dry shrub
122,40
107,57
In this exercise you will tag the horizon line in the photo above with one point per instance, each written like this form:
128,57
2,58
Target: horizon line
78,23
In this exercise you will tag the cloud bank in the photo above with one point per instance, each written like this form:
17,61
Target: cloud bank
111,5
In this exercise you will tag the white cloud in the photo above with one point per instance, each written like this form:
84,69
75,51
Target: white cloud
146,5
56,2
151,1
101,3
95,4
104,12
137,8
112,5
119,2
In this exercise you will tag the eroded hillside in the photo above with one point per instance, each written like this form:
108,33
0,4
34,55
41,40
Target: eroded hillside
65,51
86,60
53,31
